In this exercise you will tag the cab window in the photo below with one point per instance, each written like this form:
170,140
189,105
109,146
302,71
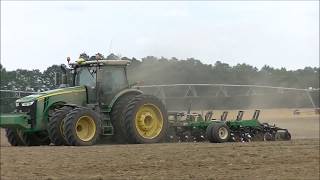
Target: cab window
112,79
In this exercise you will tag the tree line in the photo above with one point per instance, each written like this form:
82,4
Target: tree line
155,70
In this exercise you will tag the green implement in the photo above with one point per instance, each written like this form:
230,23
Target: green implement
192,127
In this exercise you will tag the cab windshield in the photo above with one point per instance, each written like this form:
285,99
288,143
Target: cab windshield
85,76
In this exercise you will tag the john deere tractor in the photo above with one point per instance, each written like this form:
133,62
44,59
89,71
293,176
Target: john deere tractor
99,103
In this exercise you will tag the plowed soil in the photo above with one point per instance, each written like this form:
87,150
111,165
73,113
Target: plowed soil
295,159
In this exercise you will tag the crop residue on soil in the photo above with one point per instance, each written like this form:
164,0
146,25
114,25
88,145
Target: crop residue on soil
288,160
296,159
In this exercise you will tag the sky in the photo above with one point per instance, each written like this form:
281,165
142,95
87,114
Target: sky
35,35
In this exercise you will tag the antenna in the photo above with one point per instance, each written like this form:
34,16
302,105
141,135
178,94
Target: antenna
119,56
110,47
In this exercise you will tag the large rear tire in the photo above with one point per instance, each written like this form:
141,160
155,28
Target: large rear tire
117,117
55,126
146,120
82,127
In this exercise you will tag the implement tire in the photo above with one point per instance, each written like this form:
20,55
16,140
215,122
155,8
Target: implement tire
117,117
283,136
82,127
209,133
218,133
14,138
55,126
146,120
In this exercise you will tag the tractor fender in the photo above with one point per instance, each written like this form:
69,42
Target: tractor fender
122,93
71,105
59,104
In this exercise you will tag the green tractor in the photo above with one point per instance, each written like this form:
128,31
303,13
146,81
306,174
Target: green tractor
100,104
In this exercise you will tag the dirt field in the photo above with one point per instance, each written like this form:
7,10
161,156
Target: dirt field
296,159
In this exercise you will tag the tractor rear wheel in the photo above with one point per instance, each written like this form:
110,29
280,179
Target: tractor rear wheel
117,117
14,138
146,120
82,127
218,133
55,126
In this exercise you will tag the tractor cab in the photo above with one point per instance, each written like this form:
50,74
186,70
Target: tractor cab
102,77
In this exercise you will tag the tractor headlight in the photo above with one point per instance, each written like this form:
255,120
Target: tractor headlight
27,103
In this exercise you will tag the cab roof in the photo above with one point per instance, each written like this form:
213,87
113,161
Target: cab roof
101,62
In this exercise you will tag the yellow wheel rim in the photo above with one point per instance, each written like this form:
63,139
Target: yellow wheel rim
85,128
149,121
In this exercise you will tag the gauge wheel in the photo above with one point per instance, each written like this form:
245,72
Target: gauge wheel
218,133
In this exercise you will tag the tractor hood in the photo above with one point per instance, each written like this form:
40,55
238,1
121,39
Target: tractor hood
50,93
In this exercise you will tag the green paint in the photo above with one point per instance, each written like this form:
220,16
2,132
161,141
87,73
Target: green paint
197,122
243,123
77,95
44,102
17,120
121,93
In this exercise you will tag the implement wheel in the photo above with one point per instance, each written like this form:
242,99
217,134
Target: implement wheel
82,127
55,126
218,133
283,136
145,120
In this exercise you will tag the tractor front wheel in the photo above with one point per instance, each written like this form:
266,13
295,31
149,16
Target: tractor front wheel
55,126
82,127
17,137
35,138
145,120
14,138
